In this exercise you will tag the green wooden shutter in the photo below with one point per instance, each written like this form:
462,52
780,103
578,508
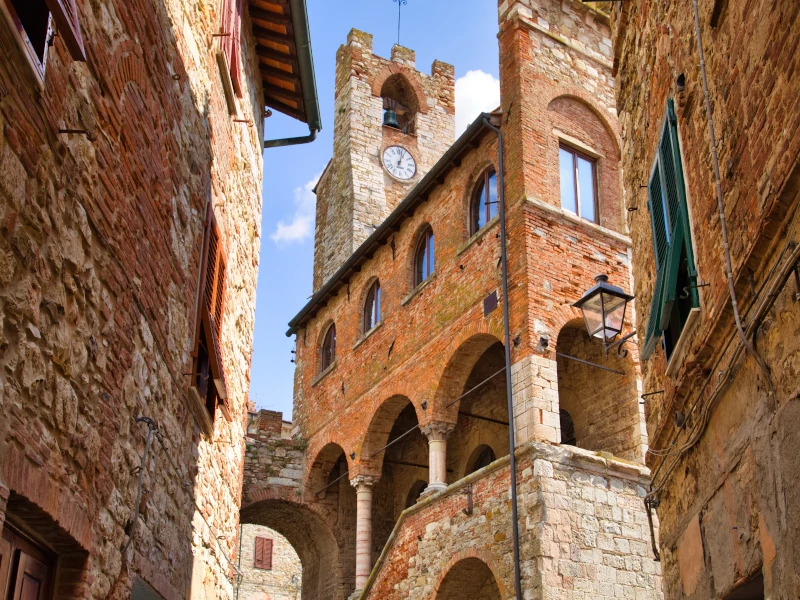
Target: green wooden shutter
670,221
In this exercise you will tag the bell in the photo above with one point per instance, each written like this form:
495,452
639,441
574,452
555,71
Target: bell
390,118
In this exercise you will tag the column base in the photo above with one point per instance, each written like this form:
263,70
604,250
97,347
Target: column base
433,488
355,595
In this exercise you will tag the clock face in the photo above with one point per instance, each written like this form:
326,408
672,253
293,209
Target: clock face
399,162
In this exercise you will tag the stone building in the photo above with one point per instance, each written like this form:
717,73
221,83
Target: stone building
131,137
396,481
269,564
716,242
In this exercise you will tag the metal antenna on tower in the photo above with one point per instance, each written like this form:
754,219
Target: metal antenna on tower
400,3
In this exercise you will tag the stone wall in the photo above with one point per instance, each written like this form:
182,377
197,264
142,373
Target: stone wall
583,529
99,260
726,485
282,581
355,193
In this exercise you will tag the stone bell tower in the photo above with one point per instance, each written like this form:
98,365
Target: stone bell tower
391,124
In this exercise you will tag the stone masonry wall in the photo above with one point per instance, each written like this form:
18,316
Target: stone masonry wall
355,194
99,260
728,496
583,531
282,582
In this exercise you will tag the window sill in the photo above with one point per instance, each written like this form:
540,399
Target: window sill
322,375
198,408
367,335
572,217
478,235
679,353
418,289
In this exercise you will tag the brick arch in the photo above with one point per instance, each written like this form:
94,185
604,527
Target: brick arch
462,353
376,84
381,421
579,94
319,469
466,555
319,441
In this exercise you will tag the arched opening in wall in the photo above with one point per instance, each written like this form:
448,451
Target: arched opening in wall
314,541
269,564
329,488
469,579
476,373
599,409
415,492
481,457
402,464
400,104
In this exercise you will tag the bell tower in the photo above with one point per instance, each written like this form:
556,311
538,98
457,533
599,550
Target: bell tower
391,124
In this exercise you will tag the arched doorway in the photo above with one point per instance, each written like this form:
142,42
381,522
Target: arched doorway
598,409
313,540
469,579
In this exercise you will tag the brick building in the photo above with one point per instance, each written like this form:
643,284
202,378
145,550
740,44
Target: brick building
131,137
396,481
716,240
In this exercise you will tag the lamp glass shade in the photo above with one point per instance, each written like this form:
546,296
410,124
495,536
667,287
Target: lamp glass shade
603,308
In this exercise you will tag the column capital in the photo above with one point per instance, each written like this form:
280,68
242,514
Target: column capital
437,430
363,481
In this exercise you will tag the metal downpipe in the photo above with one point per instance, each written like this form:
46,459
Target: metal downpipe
292,141
507,344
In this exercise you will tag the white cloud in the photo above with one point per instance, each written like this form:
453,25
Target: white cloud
301,225
476,92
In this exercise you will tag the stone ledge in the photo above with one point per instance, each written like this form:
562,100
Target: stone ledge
322,375
567,216
368,334
478,235
418,289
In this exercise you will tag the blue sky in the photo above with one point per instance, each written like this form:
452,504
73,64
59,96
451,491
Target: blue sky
462,33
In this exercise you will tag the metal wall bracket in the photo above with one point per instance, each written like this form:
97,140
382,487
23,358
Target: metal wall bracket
468,493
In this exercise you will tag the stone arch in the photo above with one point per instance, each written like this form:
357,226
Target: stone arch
603,406
314,540
471,345
472,458
394,70
469,574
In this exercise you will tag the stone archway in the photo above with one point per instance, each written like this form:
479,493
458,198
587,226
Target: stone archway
469,579
313,540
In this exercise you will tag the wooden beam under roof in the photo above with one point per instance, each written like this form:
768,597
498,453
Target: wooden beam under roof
259,14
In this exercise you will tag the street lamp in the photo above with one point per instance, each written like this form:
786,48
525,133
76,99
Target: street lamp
603,308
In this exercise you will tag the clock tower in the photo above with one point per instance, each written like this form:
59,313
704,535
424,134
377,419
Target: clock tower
391,124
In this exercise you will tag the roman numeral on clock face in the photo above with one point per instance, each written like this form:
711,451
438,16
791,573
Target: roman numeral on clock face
399,163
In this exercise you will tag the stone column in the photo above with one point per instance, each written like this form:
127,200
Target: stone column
363,485
437,433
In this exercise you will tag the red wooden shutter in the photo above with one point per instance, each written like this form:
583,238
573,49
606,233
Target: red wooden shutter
65,14
232,42
263,553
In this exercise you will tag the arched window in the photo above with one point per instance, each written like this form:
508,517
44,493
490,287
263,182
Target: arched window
327,351
485,457
423,257
567,428
484,201
415,492
372,306
399,104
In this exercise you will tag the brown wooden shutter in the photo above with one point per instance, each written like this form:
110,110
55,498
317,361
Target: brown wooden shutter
5,561
65,14
232,41
263,553
31,580
215,279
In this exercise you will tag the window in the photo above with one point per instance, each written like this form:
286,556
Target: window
26,570
423,257
262,557
567,428
484,203
372,307
578,193
231,41
208,375
32,25
485,457
675,292
328,350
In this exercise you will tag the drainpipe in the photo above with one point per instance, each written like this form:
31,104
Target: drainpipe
292,141
509,399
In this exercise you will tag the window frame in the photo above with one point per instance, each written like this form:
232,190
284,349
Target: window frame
424,251
330,332
480,200
37,65
371,314
592,160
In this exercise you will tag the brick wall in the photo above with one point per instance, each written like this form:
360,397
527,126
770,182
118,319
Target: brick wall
99,260
737,452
